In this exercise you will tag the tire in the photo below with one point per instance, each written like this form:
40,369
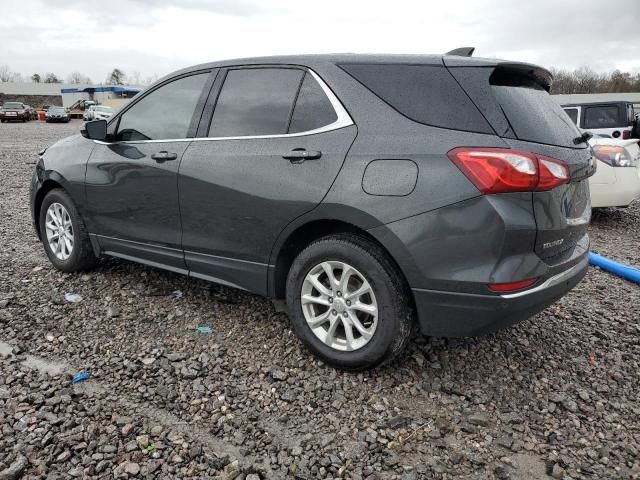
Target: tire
395,315
81,256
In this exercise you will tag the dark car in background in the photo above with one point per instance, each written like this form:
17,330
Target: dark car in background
374,193
57,114
14,111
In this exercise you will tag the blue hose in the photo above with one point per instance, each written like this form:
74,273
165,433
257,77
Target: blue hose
619,269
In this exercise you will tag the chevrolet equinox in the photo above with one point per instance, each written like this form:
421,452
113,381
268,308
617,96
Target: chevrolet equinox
374,193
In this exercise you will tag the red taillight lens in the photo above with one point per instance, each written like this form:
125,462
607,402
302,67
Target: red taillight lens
626,134
499,170
512,286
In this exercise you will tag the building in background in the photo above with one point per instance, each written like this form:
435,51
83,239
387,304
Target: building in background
65,95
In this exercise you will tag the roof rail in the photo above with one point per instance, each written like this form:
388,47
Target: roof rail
462,51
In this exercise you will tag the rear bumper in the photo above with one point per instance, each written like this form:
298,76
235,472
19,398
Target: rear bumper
450,314
621,193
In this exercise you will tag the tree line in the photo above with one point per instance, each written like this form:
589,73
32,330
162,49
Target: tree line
585,80
116,77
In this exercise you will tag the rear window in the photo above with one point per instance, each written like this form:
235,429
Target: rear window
602,116
427,94
531,112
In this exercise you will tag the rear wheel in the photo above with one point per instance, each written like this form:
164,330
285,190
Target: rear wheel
348,302
64,235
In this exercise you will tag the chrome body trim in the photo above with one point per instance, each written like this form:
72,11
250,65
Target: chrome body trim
343,120
549,282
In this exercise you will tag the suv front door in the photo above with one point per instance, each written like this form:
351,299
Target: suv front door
268,154
131,181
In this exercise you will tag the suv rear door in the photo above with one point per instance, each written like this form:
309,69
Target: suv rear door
515,100
270,144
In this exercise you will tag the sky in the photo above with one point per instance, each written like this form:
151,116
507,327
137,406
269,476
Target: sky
150,38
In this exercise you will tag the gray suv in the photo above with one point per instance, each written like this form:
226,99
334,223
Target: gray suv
374,193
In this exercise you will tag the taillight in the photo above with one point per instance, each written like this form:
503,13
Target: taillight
626,134
500,170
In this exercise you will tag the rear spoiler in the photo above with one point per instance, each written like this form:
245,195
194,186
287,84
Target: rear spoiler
462,51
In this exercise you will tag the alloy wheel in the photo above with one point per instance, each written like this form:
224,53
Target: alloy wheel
59,231
339,305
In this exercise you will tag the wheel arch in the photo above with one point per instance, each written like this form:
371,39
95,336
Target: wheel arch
303,235
48,185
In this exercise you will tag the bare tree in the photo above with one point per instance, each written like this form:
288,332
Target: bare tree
135,79
51,78
150,79
116,77
5,73
585,80
78,78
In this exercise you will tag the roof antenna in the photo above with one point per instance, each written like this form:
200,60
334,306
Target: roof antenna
462,51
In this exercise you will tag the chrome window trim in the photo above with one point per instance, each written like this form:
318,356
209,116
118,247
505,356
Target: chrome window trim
343,120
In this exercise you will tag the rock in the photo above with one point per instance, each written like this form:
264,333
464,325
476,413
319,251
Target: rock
557,471
479,419
142,441
131,468
15,470
278,374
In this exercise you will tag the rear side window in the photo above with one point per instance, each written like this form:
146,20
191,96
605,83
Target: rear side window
255,101
531,112
573,114
427,94
602,116
313,109
165,113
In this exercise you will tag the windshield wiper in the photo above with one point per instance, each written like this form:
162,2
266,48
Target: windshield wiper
585,137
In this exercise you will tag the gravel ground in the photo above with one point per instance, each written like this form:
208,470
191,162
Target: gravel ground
556,396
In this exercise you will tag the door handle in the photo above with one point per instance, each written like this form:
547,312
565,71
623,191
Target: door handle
164,156
299,155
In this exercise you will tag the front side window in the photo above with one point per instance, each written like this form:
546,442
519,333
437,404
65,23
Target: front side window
313,109
601,117
255,101
165,113
573,114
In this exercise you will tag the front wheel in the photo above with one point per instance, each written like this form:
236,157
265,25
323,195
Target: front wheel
349,303
64,235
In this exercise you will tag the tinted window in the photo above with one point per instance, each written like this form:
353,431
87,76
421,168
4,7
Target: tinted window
165,113
424,93
255,101
533,115
573,114
605,116
313,109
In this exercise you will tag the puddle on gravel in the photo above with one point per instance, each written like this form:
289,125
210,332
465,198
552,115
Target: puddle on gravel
5,349
44,366
36,363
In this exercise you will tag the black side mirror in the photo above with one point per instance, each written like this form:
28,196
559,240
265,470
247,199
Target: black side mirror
95,130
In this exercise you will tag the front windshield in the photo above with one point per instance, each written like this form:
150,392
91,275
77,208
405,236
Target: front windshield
56,109
12,106
103,109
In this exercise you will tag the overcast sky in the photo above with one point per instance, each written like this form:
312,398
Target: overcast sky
155,37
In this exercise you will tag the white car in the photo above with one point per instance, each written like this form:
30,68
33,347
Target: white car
98,112
616,182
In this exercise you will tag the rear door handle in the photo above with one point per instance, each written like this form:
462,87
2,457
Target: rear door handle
299,155
164,156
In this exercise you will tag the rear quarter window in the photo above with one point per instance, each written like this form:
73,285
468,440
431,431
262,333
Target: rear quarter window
573,114
533,115
427,94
